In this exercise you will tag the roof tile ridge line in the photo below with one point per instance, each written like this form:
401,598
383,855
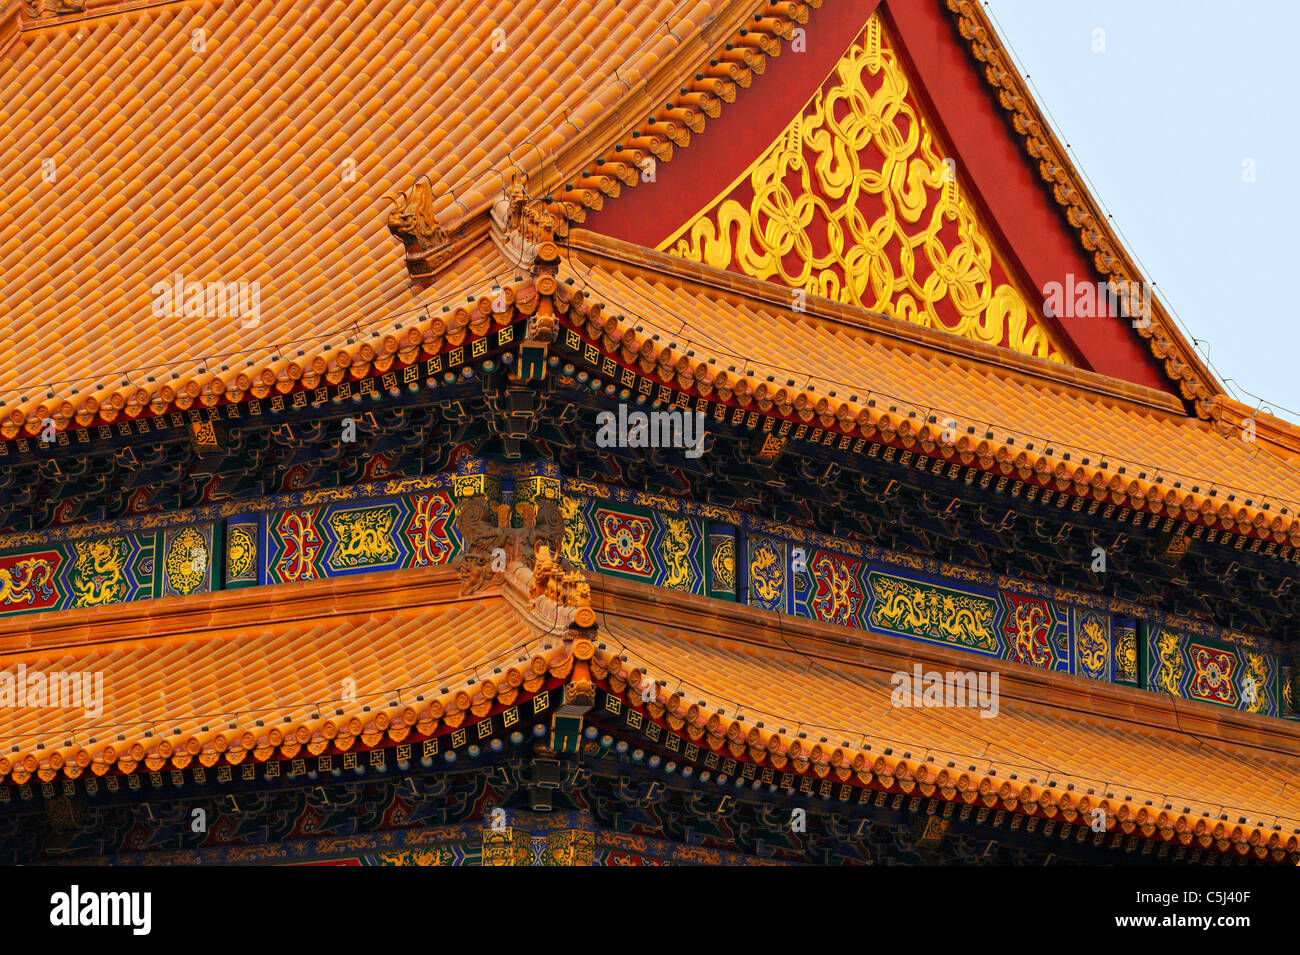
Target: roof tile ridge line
832,314
738,10
609,124
647,608
1071,192
1249,519
723,25
1021,762
11,26
95,10
308,601
549,619
1281,431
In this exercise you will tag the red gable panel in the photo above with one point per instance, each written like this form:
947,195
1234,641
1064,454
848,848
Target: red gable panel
1020,231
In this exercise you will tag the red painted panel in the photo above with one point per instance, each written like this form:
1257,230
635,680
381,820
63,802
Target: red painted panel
1015,205
649,213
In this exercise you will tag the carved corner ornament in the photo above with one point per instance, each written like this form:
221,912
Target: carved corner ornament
564,588
526,226
41,9
412,221
485,532
490,544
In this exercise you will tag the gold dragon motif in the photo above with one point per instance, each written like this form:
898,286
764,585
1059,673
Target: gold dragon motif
365,537
99,573
1092,645
21,582
1171,663
677,546
766,571
924,611
576,536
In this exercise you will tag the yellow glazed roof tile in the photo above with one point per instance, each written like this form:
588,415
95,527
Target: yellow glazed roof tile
710,326
369,660
255,143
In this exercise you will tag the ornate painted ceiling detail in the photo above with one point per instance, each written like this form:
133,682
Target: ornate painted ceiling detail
857,201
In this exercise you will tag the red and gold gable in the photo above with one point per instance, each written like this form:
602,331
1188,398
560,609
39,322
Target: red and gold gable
858,200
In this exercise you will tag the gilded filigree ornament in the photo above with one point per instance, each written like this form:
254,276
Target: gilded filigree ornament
856,201
1126,663
187,561
241,551
723,565
569,847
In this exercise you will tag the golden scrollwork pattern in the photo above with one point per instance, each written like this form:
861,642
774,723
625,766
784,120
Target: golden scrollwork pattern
857,201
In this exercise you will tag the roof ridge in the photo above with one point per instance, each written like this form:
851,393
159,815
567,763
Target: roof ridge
855,318
1067,695
43,14
630,156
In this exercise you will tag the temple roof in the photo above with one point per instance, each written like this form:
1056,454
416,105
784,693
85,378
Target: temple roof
282,170
224,142
713,331
264,675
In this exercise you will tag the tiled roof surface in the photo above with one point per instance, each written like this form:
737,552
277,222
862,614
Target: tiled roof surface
250,674
793,694
850,358
128,155
190,685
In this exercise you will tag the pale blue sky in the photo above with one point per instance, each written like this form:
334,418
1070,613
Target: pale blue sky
1160,123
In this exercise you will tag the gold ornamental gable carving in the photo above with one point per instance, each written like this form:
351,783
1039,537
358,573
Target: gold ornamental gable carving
856,201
